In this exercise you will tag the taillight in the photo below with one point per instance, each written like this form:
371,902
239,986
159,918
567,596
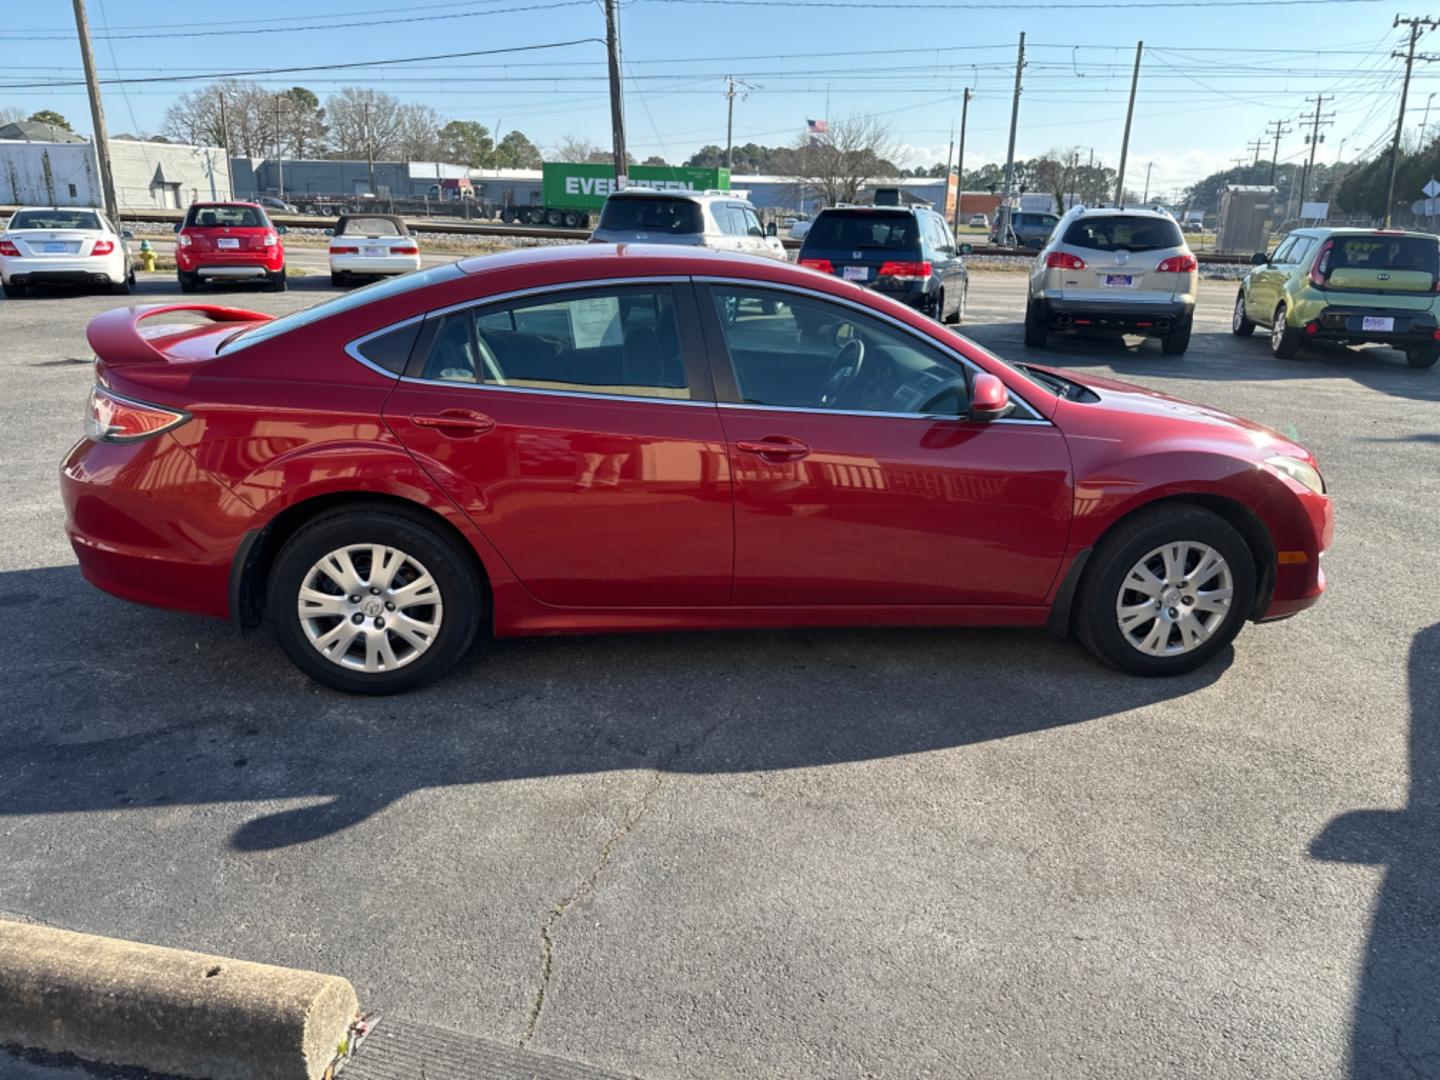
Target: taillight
1063,260
344,251
825,266
1321,264
905,271
7,248
184,239
112,418
406,250
103,247
1178,264
269,239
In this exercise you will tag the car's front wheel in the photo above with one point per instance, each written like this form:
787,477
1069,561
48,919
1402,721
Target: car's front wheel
1284,339
1240,325
1166,590
373,601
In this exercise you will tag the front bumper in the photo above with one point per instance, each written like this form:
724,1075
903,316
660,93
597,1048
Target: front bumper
1302,528
1153,318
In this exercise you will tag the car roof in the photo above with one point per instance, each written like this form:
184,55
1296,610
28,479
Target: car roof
1115,211
641,192
225,202
1354,231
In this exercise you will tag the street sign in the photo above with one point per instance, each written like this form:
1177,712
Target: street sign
1314,211
1425,208
1431,189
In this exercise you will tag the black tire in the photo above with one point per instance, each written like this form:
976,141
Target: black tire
554,218
536,217
1095,620
14,292
1286,343
572,219
120,288
187,281
1036,332
337,279
507,216
461,596
1177,340
278,282
1241,326
1422,356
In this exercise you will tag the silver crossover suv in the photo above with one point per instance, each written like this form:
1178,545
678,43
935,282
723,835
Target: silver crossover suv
715,219
1117,269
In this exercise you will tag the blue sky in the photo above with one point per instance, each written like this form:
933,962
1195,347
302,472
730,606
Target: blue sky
1205,87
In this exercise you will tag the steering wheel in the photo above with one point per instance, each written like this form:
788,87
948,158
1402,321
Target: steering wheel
843,372
946,386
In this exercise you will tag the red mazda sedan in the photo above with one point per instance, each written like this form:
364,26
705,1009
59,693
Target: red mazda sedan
592,438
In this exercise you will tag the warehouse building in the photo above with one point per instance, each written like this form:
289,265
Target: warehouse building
148,175
298,177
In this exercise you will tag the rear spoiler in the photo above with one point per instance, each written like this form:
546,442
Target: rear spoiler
117,338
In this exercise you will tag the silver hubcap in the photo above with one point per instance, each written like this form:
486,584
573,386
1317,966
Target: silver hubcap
371,608
1239,318
1277,329
1175,598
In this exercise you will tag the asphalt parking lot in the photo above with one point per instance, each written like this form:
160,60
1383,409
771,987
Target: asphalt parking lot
782,854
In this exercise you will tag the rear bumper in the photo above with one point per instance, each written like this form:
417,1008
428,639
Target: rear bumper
386,264
236,272
229,264
1157,317
1347,324
71,271
920,295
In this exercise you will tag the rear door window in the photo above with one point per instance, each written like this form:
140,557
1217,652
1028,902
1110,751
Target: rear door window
1113,232
657,215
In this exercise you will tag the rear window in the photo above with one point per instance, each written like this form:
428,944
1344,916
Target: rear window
1393,254
1112,232
369,226
863,230
226,217
55,219
659,215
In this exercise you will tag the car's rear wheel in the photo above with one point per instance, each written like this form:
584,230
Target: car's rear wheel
1285,340
572,220
1177,340
959,315
1035,329
373,601
277,281
1241,326
1166,590
121,287
337,278
14,292
1422,356
187,281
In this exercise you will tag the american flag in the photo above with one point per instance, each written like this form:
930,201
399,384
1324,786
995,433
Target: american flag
817,127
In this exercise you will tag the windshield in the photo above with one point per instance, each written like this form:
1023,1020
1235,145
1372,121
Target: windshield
658,215
368,226
1114,232
55,219
862,229
229,217
378,290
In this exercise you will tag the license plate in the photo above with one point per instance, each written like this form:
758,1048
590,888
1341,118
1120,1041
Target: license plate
373,252
1118,281
856,273
227,242
54,248
1376,322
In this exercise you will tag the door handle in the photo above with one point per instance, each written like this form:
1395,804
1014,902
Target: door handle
455,423
774,448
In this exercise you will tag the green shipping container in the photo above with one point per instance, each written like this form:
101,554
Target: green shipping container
570,186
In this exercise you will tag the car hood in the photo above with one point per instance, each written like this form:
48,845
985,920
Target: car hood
1127,410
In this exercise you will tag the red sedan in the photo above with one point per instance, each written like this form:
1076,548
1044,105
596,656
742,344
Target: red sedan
593,438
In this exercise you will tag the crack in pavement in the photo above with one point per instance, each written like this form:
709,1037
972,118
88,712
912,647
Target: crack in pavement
587,886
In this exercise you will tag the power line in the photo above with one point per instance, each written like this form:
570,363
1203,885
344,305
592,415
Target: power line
999,5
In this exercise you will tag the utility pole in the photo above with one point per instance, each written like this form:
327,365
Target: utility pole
1280,129
1314,139
1004,224
960,165
225,138
369,145
617,112
1129,114
497,145
279,156
1416,25
729,121
97,115
1146,197
1256,145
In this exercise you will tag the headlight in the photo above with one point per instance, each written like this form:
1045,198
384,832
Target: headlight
1301,472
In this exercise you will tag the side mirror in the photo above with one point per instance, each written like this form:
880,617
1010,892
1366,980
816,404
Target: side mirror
329,232
177,227
127,235
281,230
771,230
989,400
966,249
1260,259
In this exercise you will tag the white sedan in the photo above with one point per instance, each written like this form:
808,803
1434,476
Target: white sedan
371,244
72,245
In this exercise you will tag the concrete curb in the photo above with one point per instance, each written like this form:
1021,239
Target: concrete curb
167,1010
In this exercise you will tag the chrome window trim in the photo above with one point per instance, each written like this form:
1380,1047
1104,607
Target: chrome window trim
492,388
928,417
1035,417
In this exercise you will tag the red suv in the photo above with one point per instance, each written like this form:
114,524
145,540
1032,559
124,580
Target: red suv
231,241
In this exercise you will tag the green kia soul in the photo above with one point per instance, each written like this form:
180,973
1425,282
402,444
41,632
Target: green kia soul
1347,285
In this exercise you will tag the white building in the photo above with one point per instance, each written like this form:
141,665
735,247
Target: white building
148,175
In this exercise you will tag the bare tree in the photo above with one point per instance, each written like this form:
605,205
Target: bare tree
195,118
418,137
12,114
363,120
837,163
572,149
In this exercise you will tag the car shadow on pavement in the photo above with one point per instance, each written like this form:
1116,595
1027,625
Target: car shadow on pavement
116,707
1396,1029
